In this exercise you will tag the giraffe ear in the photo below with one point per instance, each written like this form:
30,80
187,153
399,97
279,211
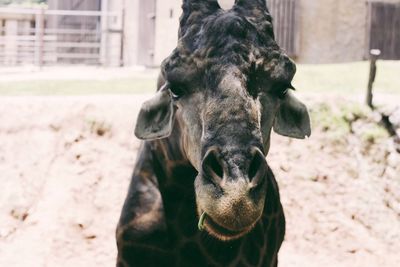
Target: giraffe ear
156,117
292,118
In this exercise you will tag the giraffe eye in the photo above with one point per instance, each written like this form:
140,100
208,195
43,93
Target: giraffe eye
283,93
177,91
281,89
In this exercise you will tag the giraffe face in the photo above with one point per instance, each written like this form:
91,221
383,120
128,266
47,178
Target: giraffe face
226,86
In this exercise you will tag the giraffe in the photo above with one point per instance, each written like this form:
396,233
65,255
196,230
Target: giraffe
206,135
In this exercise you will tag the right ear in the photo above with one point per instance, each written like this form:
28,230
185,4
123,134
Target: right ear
292,118
156,117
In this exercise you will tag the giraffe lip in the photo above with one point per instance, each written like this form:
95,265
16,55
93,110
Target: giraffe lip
222,232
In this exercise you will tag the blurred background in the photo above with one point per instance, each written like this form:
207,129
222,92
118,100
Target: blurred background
73,75
128,33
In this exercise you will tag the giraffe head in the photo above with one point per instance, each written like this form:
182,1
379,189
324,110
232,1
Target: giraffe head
227,85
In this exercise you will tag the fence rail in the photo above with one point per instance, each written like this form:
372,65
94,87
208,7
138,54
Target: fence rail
38,11
43,37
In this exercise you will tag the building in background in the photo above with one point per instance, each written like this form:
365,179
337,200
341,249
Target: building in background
144,32
323,31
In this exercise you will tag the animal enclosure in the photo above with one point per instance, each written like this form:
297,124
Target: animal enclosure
48,37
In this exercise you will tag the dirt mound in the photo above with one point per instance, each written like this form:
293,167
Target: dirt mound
65,165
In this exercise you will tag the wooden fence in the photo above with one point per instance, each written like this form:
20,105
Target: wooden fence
383,30
35,36
285,19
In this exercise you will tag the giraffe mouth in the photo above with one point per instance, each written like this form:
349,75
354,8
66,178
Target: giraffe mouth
221,232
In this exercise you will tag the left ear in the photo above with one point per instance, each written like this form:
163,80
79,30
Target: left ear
292,118
156,118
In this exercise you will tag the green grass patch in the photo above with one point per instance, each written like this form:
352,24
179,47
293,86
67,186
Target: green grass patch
327,120
75,87
374,133
348,77
342,119
339,78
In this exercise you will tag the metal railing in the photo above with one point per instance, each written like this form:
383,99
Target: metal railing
43,37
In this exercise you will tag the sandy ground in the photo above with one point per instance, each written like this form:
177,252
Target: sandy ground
65,164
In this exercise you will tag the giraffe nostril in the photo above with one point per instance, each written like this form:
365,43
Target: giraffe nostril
257,167
212,166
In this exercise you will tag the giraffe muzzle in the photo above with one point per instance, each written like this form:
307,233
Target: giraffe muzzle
218,172
229,205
